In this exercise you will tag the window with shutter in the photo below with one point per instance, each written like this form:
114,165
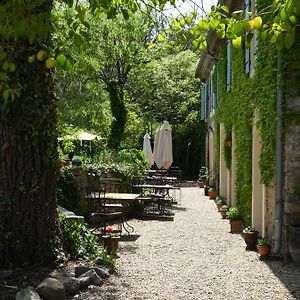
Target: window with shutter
247,49
228,67
203,103
253,45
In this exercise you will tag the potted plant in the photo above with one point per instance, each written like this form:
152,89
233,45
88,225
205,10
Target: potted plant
110,241
235,217
220,201
212,193
250,237
202,176
263,247
223,210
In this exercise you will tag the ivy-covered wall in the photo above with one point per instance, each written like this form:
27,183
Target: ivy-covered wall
236,109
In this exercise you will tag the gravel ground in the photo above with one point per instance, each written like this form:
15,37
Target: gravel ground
194,257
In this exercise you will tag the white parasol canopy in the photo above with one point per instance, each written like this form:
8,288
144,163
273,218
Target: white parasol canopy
156,139
163,152
147,149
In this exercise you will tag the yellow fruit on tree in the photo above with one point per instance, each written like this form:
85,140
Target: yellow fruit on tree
50,62
237,42
250,26
257,22
41,55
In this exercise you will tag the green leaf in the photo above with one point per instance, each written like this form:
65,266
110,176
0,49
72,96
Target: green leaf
5,95
225,8
3,76
61,59
12,67
5,65
289,38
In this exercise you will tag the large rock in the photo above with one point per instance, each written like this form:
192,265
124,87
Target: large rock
101,272
90,277
28,294
51,289
71,285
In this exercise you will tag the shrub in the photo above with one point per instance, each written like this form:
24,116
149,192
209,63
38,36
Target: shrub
234,214
68,192
78,240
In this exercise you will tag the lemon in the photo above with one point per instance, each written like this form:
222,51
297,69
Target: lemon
50,62
257,23
237,42
250,26
41,55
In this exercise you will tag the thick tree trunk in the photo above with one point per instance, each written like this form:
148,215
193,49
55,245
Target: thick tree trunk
119,113
28,166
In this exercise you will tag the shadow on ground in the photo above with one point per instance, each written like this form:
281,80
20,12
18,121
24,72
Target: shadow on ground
287,273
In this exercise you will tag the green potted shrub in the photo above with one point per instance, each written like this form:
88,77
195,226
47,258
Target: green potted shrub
263,247
250,237
235,217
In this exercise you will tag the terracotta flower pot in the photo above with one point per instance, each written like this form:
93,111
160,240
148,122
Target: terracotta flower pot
212,194
111,243
236,226
250,239
264,250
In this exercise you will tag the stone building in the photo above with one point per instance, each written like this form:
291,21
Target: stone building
250,98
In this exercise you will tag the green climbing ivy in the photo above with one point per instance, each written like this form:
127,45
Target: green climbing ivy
246,96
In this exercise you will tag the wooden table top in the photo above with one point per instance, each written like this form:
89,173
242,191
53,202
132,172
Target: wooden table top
121,196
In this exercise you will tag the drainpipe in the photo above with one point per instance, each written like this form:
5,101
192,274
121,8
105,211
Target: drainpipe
279,162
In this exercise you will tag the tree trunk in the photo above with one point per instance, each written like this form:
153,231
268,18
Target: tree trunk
119,113
28,165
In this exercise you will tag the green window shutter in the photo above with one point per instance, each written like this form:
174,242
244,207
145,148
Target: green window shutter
228,67
247,50
203,103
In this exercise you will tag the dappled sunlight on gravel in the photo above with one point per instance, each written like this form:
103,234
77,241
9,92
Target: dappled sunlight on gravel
194,257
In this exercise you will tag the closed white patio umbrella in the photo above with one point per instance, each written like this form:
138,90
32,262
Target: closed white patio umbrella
164,153
147,149
156,139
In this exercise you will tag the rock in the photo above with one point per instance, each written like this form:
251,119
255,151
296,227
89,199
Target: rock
101,272
90,277
71,285
28,294
51,289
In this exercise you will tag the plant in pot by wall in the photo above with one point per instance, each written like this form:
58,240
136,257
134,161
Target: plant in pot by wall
235,217
263,247
212,193
110,241
250,237
202,177
220,201
223,210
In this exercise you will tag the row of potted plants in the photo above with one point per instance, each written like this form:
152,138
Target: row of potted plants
262,245
250,234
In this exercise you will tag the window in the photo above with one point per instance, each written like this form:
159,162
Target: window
228,67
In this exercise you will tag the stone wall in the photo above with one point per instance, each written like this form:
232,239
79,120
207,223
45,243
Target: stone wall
291,206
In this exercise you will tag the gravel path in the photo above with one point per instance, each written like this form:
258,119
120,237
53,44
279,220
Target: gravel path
194,257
